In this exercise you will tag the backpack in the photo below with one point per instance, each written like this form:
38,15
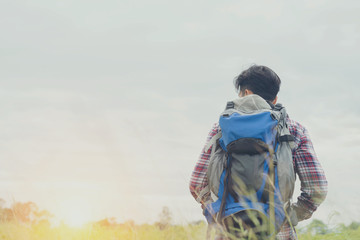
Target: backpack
250,174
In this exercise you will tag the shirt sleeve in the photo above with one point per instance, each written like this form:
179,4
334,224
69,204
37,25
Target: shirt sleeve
311,174
199,179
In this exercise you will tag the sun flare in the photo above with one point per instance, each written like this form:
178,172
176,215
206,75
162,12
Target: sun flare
76,212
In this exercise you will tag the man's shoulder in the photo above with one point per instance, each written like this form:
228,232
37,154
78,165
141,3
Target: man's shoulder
298,131
216,126
294,126
214,129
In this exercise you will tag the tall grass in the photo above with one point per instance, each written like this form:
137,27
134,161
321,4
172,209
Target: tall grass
18,231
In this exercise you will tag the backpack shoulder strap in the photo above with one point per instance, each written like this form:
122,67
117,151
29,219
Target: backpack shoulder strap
284,134
213,141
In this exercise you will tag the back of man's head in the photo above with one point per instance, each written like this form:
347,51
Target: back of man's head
259,80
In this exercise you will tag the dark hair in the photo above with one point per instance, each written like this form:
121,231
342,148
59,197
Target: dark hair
260,80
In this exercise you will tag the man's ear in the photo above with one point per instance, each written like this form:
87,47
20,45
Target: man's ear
275,100
246,92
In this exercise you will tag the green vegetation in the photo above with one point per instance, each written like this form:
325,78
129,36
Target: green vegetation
317,230
24,221
18,231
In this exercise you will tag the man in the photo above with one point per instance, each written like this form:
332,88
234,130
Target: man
264,82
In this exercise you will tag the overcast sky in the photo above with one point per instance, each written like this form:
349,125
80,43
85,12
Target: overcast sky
105,105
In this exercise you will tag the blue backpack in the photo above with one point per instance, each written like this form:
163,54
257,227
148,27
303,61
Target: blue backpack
251,175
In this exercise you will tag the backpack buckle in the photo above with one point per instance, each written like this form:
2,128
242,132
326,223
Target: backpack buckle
278,106
230,105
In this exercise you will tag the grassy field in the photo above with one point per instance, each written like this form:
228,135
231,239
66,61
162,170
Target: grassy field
12,231
18,231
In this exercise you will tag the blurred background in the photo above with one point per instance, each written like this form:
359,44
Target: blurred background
105,105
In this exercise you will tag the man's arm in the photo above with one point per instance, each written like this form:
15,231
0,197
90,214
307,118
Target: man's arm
199,181
311,174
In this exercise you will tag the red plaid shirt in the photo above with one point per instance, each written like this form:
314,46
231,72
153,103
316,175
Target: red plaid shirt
306,165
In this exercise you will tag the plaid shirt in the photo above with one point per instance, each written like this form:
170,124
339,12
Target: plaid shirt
306,165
